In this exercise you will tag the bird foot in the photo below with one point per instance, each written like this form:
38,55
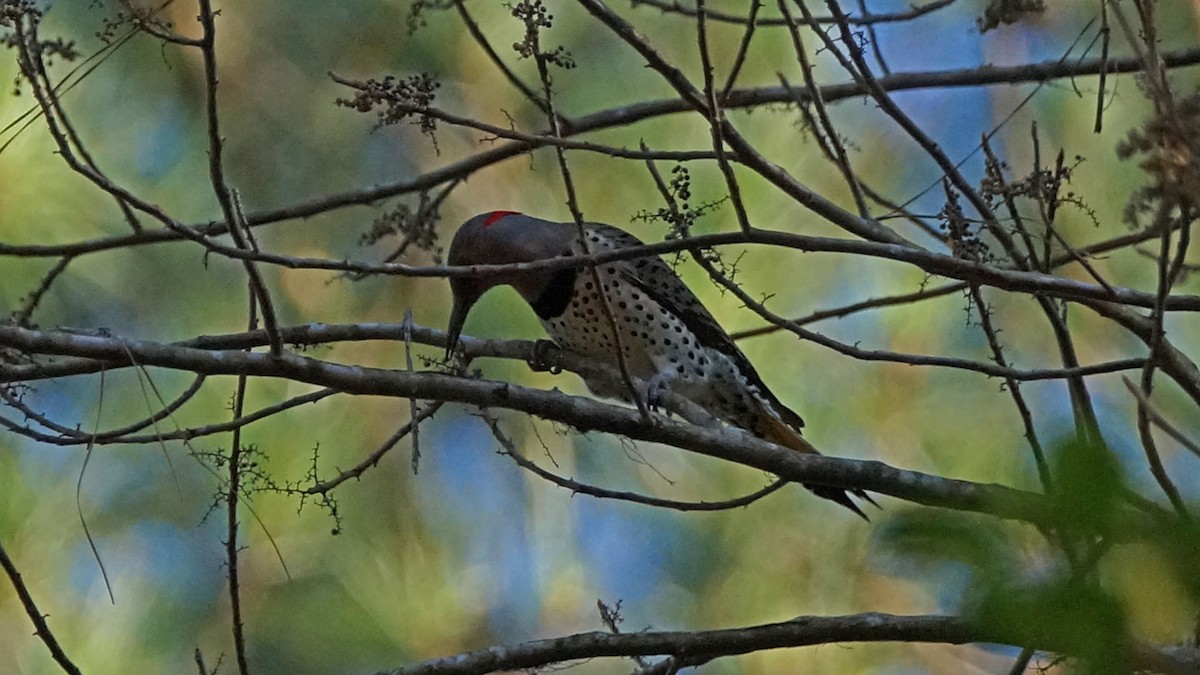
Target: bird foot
657,388
543,360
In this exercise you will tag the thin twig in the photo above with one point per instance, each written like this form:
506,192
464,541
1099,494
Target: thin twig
42,629
1081,403
604,119
577,487
914,12
1147,381
482,41
372,459
87,458
611,616
829,132
743,49
227,197
854,308
856,66
717,122
1158,419
873,39
1105,37
1047,215
1014,390
72,436
265,303
413,415
576,214
56,111
1020,665
22,316
1004,277
232,496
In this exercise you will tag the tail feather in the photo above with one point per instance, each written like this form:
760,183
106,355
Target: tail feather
775,430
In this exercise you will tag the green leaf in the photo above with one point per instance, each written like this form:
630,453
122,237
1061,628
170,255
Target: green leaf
1088,484
934,536
1072,617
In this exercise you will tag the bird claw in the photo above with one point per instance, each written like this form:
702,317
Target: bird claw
540,362
656,390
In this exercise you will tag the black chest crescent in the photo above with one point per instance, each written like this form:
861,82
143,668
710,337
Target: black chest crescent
554,300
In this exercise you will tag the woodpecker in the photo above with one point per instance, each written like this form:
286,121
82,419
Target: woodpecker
667,337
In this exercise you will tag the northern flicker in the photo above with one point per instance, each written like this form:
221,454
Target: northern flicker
668,338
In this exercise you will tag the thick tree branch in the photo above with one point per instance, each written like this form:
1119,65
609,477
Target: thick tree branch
582,413
522,350
692,648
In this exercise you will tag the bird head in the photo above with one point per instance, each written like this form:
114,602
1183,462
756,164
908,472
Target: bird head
501,238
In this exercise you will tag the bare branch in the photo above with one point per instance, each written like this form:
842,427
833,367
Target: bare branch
917,11
581,413
622,116
1159,420
577,487
35,615
520,350
692,648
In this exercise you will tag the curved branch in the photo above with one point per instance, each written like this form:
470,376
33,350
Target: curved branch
124,435
523,350
73,436
577,487
607,119
35,615
861,19
372,460
583,414
1182,369
928,261
697,647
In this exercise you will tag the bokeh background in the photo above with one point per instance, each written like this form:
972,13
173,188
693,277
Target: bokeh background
473,551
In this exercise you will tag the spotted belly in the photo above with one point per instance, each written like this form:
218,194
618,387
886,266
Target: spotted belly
655,342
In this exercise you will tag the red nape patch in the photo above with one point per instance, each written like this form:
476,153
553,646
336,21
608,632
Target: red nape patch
496,215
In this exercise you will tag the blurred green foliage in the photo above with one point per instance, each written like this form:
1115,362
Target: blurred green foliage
471,551
1065,597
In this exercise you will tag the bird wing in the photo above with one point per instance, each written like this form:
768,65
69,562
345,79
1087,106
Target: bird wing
780,424
661,283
